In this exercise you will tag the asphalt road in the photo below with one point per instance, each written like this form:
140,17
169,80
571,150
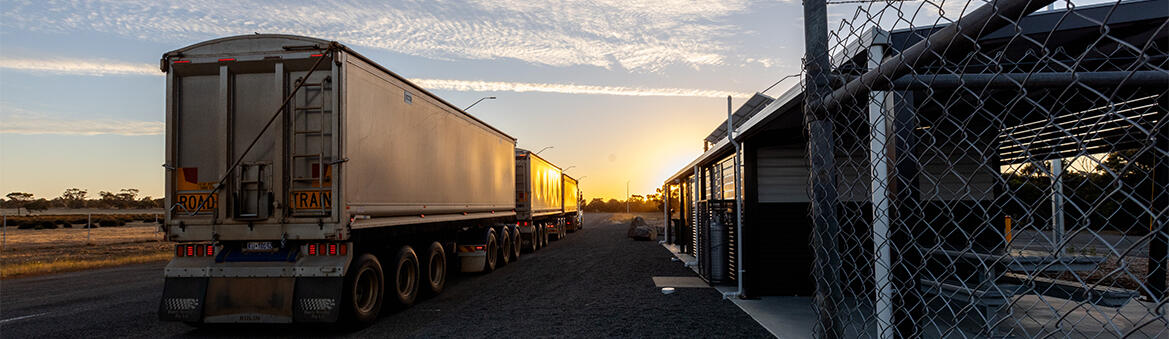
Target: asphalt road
596,283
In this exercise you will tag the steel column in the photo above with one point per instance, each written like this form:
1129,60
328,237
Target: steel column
906,201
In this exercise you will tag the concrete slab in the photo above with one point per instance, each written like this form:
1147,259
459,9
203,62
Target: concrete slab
680,282
784,317
1028,316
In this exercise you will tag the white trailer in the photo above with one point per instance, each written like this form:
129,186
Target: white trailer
307,183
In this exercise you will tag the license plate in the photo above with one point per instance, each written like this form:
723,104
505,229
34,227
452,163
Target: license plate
191,201
259,246
312,200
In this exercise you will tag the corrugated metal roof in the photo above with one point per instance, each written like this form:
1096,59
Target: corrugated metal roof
791,98
745,112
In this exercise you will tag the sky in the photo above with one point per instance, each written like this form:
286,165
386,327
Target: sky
622,90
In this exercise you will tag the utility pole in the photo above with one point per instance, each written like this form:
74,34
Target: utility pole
626,196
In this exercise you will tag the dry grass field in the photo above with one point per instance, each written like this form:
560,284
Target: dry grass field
32,252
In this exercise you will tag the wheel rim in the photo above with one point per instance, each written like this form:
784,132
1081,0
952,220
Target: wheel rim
517,248
491,253
365,291
406,278
437,269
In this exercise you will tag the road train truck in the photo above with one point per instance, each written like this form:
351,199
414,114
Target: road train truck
547,200
306,183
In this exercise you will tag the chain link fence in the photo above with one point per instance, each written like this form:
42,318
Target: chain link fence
988,168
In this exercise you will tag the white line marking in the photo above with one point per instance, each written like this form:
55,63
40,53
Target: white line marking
22,317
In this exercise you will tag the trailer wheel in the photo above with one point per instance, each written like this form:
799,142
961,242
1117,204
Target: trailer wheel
545,240
492,253
364,290
436,269
406,277
533,244
517,244
504,248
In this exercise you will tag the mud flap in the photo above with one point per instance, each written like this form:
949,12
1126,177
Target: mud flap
183,299
249,300
317,299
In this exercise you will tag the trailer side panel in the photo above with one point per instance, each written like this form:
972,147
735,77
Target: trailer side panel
409,155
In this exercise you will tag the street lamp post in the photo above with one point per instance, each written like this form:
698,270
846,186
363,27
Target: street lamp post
567,168
477,102
543,149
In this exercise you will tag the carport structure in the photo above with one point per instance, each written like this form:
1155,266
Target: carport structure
1014,187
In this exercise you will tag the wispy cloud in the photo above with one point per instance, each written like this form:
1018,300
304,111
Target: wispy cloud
21,121
640,35
498,86
79,67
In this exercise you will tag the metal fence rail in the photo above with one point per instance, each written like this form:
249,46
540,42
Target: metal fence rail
989,168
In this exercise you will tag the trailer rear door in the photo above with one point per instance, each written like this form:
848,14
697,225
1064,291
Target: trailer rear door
222,105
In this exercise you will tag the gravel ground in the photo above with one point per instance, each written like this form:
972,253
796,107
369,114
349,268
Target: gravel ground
596,283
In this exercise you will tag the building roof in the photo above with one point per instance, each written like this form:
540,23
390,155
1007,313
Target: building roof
791,101
753,105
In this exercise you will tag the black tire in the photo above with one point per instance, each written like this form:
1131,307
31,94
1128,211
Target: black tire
406,277
364,291
533,244
436,268
546,235
504,248
517,244
492,253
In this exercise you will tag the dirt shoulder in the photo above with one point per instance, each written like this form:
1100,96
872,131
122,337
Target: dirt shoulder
30,252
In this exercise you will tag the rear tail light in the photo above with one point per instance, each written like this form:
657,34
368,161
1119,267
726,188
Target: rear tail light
207,250
327,249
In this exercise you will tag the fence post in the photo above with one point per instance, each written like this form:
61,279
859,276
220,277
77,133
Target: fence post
4,241
879,195
822,169
88,227
1158,221
1057,225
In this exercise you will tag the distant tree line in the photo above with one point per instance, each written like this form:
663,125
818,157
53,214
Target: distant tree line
1115,196
637,203
79,198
